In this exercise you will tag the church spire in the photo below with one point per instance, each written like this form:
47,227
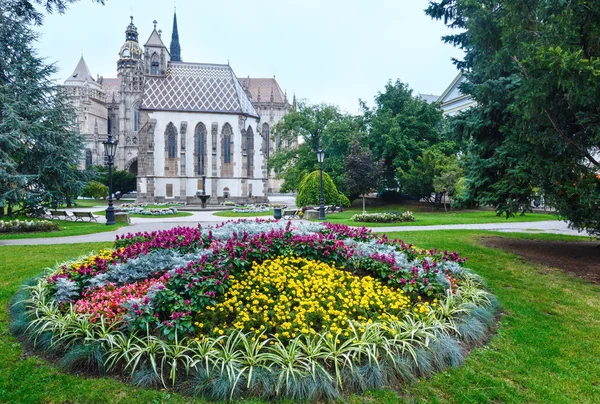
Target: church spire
175,48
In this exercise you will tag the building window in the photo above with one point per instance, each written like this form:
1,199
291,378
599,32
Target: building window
227,134
200,148
136,119
154,64
266,135
249,151
171,141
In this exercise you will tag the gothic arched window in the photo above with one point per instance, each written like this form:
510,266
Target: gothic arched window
200,148
250,151
154,64
88,158
266,135
227,133
171,141
136,117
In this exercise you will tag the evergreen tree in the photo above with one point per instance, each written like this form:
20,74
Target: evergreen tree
533,69
39,147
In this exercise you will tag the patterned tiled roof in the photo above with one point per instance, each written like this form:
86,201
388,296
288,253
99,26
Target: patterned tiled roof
197,87
111,88
264,87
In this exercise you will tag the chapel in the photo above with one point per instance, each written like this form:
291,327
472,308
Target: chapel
182,127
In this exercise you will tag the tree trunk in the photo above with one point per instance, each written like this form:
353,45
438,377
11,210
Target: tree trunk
364,210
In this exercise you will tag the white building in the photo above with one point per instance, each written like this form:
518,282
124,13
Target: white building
452,101
177,122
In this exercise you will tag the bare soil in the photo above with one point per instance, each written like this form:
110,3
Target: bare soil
579,258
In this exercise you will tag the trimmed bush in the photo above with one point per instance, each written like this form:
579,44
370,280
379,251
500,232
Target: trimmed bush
95,189
27,226
388,217
310,188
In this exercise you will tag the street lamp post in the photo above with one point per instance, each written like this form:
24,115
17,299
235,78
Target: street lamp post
320,157
110,149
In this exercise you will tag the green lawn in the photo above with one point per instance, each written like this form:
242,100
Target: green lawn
545,349
68,228
429,218
228,213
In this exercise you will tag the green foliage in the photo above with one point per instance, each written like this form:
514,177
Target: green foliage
123,181
401,127
27,10
316,125
95,189
417,180
533,70
363,173
309,191
39,148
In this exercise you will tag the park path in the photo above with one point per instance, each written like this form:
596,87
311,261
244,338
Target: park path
207,218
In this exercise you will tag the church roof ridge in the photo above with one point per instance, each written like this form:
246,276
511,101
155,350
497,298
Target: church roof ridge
197,87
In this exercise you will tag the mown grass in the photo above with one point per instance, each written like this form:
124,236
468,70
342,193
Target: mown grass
228,213
67,228
545,349
433,218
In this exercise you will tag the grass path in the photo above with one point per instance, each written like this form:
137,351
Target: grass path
545,350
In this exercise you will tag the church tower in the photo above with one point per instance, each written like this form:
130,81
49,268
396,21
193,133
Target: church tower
156,55
130,70
175,48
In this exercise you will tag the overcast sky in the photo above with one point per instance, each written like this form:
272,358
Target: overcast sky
333,51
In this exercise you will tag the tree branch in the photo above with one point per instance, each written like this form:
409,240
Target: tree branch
556,127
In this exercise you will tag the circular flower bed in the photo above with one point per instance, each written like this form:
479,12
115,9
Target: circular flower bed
151,211
259,308
251,208
388,217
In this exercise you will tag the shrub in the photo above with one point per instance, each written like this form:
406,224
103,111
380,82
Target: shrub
309,191
95,189
389,217
26,226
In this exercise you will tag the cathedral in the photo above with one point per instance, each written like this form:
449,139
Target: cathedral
180,125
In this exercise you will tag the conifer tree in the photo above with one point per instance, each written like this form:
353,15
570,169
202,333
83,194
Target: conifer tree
40,147
533,68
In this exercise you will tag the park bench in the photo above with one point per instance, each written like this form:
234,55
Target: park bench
290,214
84,215
58,214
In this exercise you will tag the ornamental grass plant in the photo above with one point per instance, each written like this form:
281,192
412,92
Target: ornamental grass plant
259,309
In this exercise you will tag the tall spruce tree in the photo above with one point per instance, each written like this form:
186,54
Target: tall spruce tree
39,145
533,69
